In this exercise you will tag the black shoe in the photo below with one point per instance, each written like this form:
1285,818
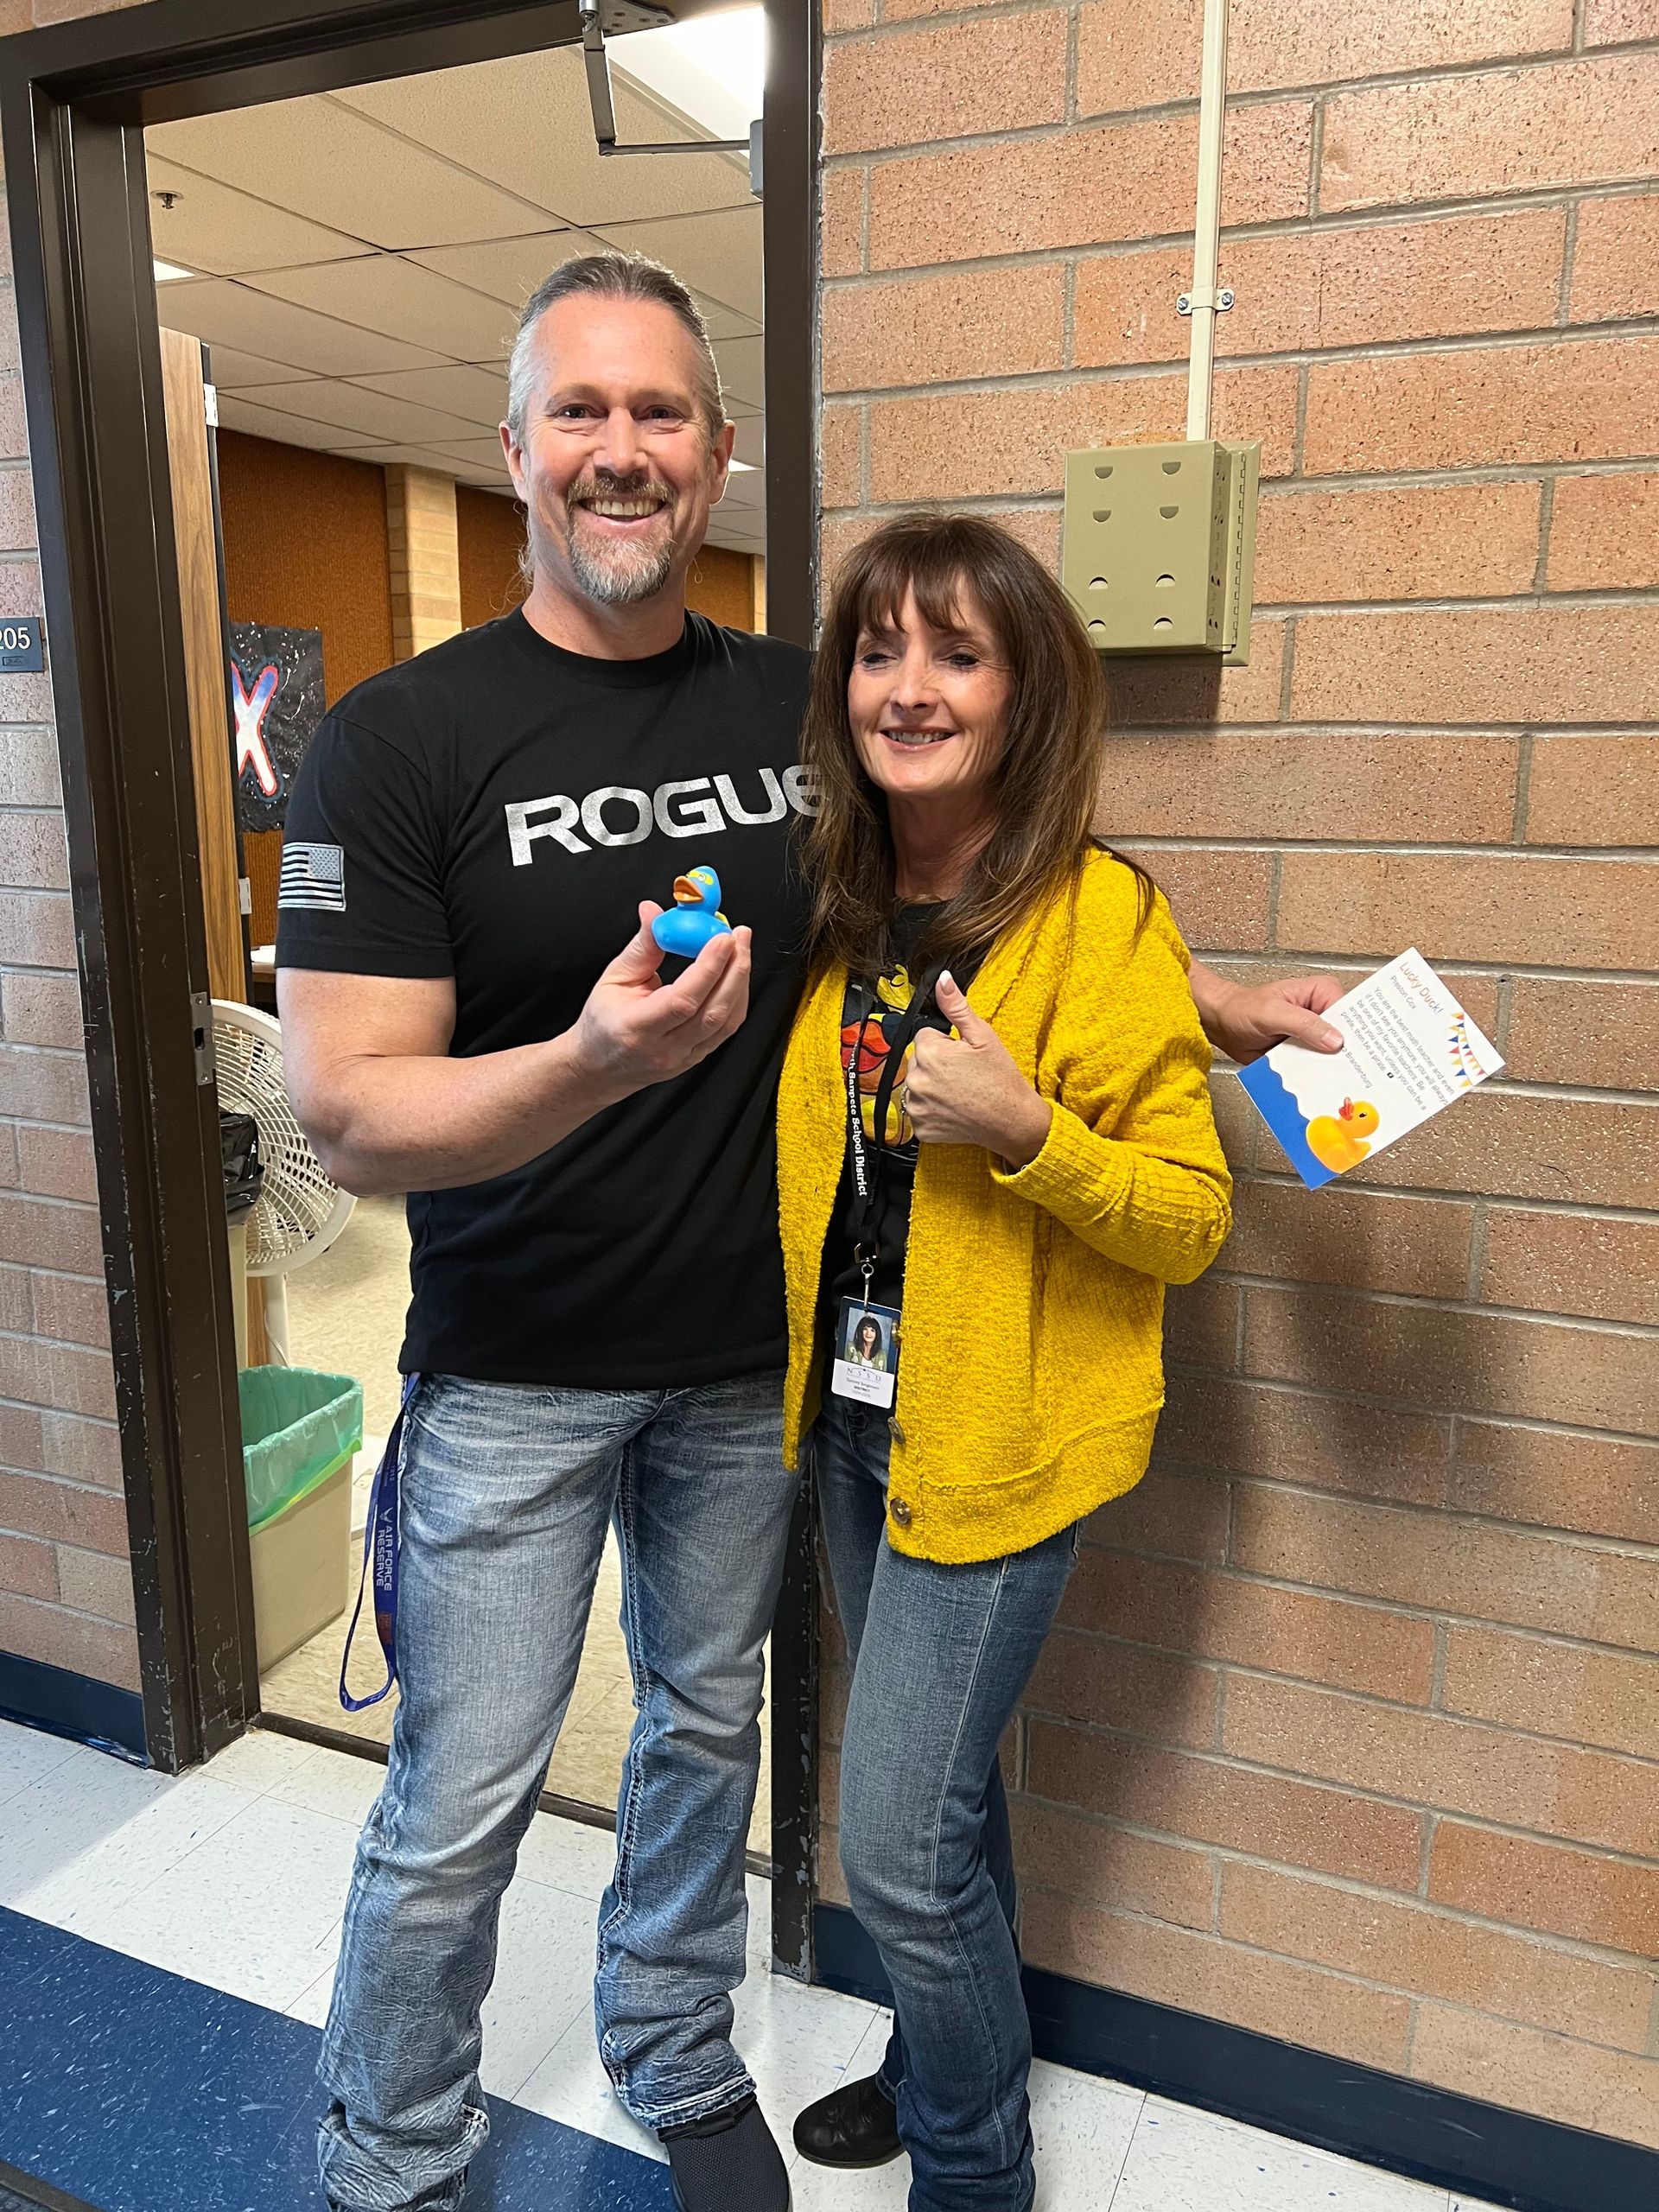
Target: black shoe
728,2163
856,2125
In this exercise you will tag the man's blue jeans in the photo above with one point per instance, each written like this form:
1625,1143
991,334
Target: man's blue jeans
506,1496
942,1655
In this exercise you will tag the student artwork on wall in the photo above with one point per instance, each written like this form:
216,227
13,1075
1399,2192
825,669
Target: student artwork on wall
277,700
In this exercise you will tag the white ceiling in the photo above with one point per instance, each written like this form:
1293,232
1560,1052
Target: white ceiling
358,260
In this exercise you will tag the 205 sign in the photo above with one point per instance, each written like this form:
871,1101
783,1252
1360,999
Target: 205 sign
22,645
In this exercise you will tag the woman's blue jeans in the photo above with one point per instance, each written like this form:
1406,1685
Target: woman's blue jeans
506,1496
941,1657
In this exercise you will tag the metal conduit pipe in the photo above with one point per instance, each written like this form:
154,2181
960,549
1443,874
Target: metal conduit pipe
1202,303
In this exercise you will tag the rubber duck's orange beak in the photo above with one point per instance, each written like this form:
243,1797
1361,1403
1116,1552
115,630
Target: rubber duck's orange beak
686,892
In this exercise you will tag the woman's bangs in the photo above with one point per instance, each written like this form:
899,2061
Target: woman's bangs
937,575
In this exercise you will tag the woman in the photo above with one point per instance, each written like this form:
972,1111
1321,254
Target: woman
1050,1163
865,1351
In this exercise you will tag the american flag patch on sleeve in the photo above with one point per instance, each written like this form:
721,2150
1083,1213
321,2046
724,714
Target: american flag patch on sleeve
313,875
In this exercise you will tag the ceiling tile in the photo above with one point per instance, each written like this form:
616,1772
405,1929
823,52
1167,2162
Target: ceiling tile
338,167
507,269
750,444
231,370
745,494
743,368
481,452
225,231
236,413
718,255
368,414
384,293
527,123
724,321
475,393
229,314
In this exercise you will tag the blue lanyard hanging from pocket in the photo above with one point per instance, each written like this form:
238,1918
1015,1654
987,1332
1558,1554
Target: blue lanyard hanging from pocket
380,1543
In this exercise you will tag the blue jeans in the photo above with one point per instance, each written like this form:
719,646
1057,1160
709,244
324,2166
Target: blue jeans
941,1657
506,1496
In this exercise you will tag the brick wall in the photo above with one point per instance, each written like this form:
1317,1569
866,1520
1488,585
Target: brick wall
1350,1730
66,1586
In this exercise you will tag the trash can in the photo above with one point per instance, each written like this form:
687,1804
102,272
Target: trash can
301,1431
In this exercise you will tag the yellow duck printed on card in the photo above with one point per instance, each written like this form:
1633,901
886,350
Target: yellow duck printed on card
1341,1141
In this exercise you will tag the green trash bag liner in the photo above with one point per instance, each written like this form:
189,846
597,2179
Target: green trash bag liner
298,1427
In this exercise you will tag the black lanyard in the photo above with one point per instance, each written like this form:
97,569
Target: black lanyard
867,1159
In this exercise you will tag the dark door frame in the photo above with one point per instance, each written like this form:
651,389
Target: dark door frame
74,101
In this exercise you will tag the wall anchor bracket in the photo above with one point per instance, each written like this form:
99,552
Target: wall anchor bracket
1222,301
635,15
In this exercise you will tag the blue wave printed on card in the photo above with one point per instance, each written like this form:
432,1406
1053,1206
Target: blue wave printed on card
1274,1103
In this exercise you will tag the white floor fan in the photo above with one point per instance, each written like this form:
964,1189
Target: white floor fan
299,1212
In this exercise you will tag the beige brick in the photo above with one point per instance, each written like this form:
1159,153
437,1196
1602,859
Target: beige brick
847,15
1412,1947
1201,1324
1611,22
14,431
1166,1514
21,1445
1465,541
1444,1565
93,1583
1579,1894
27,1569
1356,1237
57,1375
1588,913
1157,690
1109,1685
1109,1866
1604,534
1089,186
841,434
1585,122
87,1451
1283,1435
1582,1150
70,1310
1579,1033
1572,1263
1594,1484
59,1512
1555,1690
1540,663
1219,899
104,1650
1212,1616
1570,399
49,1235
37,930
1176,1966
1595,791
1209,1800
1475,1362
999,444
28,768
1454,1765
17,529
16,1302
1616,258
42,1086
841,221
932,330
1607,2092
1299,291
42,1010
20,577
1388,788
1131,56
57,1163
906,88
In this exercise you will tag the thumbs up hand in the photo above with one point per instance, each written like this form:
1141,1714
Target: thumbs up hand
966,1089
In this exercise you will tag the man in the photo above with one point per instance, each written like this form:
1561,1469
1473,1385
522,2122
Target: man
597,1326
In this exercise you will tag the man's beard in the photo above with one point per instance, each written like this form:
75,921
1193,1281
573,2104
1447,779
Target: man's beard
615,576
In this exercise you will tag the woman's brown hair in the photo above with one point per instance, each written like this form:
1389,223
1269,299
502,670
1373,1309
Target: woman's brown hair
1044,789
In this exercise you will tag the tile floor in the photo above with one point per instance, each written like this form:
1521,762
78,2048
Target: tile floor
233,1877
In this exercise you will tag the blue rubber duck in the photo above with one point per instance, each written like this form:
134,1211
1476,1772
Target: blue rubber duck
695,917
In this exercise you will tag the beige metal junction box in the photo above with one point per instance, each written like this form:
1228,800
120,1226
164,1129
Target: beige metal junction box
1159,546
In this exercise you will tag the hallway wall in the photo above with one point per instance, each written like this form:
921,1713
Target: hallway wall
1349,1731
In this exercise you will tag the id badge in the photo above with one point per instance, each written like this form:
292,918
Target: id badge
865,1364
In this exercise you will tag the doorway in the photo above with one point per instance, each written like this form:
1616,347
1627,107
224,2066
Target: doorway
346,207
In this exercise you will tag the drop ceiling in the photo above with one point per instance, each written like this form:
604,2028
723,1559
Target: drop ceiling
357,260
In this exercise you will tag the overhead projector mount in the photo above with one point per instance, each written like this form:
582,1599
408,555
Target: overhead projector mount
643,15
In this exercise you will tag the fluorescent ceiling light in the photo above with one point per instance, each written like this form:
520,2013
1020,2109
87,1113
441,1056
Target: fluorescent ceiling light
712,69
168,272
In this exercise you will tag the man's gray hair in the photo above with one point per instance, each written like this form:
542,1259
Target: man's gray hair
610,276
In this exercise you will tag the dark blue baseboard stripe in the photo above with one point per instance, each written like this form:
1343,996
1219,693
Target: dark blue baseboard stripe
1407,2127
75,1706
135,2091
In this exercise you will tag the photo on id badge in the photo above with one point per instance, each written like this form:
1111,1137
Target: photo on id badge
865,1367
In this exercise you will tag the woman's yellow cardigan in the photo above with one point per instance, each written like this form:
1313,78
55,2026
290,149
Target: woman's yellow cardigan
1030,1374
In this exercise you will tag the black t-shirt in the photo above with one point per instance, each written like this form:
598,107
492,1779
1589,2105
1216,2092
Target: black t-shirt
495,810
877,1014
